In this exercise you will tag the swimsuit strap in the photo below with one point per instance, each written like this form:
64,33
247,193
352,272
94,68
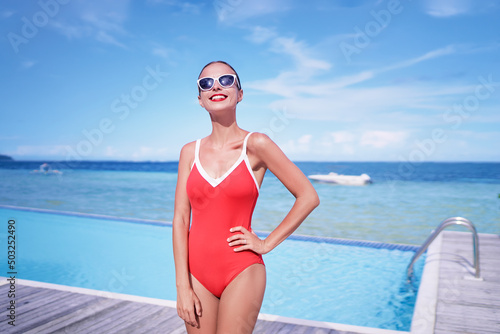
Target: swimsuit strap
196,154
197,151
244,150
247,161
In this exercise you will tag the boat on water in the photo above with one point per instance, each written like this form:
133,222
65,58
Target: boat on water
45,169
348,180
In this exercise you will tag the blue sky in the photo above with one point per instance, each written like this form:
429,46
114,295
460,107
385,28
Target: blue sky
335,80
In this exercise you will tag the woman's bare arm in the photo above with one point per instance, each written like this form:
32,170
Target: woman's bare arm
306,199
187,302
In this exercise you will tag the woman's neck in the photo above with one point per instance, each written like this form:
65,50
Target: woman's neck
223,134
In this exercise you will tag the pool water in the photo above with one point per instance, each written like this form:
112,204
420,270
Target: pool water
356,283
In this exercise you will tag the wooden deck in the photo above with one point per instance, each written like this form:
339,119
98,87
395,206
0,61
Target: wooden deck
466,305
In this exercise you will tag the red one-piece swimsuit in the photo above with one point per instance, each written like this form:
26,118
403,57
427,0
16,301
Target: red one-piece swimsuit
216,206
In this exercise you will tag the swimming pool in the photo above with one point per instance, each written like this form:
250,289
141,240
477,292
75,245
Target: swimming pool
341,281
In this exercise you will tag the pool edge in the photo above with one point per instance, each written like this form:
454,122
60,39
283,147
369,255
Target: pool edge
295,236
424,313
88,215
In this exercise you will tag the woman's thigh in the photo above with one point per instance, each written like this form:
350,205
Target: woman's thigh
207,323
241,300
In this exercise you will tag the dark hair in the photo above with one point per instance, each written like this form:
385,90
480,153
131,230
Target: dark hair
221,62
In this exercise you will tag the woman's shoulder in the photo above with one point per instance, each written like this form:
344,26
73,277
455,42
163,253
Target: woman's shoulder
187,151
260,145
258,140
188,147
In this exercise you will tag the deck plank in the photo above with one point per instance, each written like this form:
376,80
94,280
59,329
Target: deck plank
126,317
96,322
465,305
158,321
29,323
64,321
43,311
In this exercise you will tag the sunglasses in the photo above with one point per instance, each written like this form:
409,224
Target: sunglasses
225,80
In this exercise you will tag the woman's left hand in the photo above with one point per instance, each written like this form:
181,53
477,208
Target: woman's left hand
247,240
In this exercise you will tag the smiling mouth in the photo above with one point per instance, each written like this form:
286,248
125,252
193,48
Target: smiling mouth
218,97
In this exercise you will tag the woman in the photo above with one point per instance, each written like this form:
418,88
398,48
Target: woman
220,275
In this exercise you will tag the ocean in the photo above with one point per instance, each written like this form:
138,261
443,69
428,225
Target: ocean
403,205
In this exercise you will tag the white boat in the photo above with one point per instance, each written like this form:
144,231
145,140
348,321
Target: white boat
45,169
348,180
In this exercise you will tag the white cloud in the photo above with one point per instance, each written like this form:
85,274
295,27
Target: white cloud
161,51
71,31
374,104
447,8
184,6
5,14
391,145
236,11
104,37
306,64
472,48
304,140
299,52
429,55
381,139
103,20
149,153
108,21
192,8
28,64
460,146
297,146
296,83
40,150
347,145
340,137
15,137
261,34
342,98
110,151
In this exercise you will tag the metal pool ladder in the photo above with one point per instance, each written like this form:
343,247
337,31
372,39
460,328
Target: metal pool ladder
448,222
